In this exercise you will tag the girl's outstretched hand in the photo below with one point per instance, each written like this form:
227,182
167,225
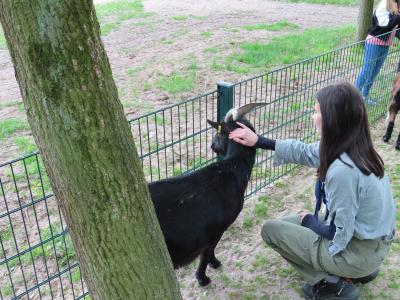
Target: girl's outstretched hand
244,135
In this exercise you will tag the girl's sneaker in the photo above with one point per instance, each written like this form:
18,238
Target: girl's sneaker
323,290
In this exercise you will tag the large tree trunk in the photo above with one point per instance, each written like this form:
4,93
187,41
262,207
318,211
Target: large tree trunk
364,18
87,147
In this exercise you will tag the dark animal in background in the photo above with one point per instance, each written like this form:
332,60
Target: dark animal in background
195,209
394,106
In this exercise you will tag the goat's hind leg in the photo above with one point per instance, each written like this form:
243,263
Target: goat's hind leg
388,132
201,276
390,125
214,262
207,257
392,112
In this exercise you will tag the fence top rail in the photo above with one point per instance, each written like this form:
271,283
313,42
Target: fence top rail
18,159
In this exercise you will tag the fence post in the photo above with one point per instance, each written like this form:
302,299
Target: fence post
225,99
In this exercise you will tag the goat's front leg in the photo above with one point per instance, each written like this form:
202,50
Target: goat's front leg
207,257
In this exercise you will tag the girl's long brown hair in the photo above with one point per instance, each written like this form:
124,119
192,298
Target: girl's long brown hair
345,129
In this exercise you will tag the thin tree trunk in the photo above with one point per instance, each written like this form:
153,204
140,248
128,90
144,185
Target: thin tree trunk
364,18
87,147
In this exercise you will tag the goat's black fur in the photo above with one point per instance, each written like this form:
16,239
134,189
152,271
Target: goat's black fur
393,109
195,209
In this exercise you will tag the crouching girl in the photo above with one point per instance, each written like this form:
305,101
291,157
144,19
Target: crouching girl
351,241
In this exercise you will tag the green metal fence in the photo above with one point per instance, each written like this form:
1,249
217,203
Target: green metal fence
37,259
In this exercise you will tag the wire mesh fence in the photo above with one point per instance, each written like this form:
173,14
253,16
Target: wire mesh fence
37,259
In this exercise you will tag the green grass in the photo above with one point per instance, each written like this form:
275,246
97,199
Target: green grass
176,83
260,210
10,126
211,50
25,144
184,18
122,8
217,64
292,48
272,27
335,2
165,41
3,44
192,63
64,249
248,222
107,28
13,103
38,179
112,14
179,18
5,234
260,262
76,275
206,34
177,171
198,17
6,291
180,32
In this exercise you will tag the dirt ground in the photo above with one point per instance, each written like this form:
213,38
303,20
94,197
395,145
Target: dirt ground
250,270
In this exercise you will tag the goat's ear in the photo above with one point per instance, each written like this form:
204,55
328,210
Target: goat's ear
219,126
214,124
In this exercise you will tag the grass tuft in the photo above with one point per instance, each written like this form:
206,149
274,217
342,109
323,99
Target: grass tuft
176,83
272,27
10,126
112,14
25,144
179,18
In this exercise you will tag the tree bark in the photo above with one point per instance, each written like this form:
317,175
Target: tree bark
364,18
83,136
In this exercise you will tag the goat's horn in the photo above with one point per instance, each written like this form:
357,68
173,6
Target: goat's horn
237,113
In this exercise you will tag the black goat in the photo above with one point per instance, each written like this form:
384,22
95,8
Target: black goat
195,209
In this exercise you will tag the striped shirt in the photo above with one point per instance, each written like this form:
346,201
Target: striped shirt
375,41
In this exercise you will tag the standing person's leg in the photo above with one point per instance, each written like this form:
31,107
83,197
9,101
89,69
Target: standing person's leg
366,70
381,54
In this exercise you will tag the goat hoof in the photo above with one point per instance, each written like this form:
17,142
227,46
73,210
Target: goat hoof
204,280
215,264
385,139
397,147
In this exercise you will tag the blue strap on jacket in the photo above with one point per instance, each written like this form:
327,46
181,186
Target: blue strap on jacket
312,222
